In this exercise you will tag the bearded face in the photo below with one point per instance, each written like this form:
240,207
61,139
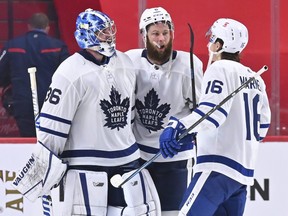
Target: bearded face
161,54
159,41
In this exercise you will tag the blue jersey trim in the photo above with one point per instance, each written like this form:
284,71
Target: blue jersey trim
148,149
264,125
226,161
55,118
220,109
152,150
100,153
213,121
55,133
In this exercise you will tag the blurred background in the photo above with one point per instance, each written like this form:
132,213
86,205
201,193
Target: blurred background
266,20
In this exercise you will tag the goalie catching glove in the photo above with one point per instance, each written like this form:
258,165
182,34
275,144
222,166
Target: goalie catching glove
169,143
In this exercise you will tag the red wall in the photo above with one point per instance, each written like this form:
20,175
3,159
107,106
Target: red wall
266,21
67,12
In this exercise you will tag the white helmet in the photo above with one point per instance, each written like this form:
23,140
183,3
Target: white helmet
153,15
233,33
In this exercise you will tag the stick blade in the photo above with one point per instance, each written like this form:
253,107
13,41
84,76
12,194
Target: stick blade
116,180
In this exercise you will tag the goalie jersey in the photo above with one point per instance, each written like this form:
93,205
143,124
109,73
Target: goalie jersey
87,114
162,91
228,139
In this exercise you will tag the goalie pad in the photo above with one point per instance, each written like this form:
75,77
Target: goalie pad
43,171
85,193
141,195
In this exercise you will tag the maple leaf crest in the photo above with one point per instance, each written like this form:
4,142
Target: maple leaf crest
116,110
150,113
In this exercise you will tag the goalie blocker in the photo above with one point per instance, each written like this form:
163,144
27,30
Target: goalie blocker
43,171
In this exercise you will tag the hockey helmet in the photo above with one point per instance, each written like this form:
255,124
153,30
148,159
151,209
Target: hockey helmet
154,15
96,31
233,33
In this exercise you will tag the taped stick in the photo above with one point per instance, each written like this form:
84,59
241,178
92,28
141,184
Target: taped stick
33,84
117,180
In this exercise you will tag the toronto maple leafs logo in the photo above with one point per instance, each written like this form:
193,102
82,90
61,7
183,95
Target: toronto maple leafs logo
150,113
116,110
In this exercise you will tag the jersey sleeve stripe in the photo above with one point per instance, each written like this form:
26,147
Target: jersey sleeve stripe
220,109
55,118
56,133
210,119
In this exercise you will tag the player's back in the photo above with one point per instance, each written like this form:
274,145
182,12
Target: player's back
236,128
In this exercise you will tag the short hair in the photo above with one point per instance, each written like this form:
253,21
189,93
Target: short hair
39,21
226,55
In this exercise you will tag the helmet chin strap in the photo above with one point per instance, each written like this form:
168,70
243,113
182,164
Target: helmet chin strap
211,54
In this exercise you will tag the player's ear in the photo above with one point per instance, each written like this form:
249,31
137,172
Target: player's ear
172,34
218,46
144,37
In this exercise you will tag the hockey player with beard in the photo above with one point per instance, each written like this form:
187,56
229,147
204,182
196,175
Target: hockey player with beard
86,122
163,90
228,139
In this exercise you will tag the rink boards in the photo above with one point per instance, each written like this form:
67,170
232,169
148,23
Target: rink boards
267,195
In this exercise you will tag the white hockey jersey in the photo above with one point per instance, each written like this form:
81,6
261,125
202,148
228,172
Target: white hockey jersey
228,139
87,114
162,91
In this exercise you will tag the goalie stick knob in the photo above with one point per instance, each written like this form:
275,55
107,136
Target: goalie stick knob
32,70
116,180
262,70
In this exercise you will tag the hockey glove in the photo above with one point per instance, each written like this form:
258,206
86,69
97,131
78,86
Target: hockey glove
169,143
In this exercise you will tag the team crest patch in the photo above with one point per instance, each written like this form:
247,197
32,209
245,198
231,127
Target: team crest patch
151,113
115,110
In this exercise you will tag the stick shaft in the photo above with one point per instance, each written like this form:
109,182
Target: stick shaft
192,67
193,87
46,199
147,163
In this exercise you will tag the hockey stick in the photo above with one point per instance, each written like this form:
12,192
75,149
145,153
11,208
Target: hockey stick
192,67
193,88
117,180
46,199
33,84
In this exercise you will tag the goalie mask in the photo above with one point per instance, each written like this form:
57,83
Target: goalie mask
154,15
96,31
233,33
